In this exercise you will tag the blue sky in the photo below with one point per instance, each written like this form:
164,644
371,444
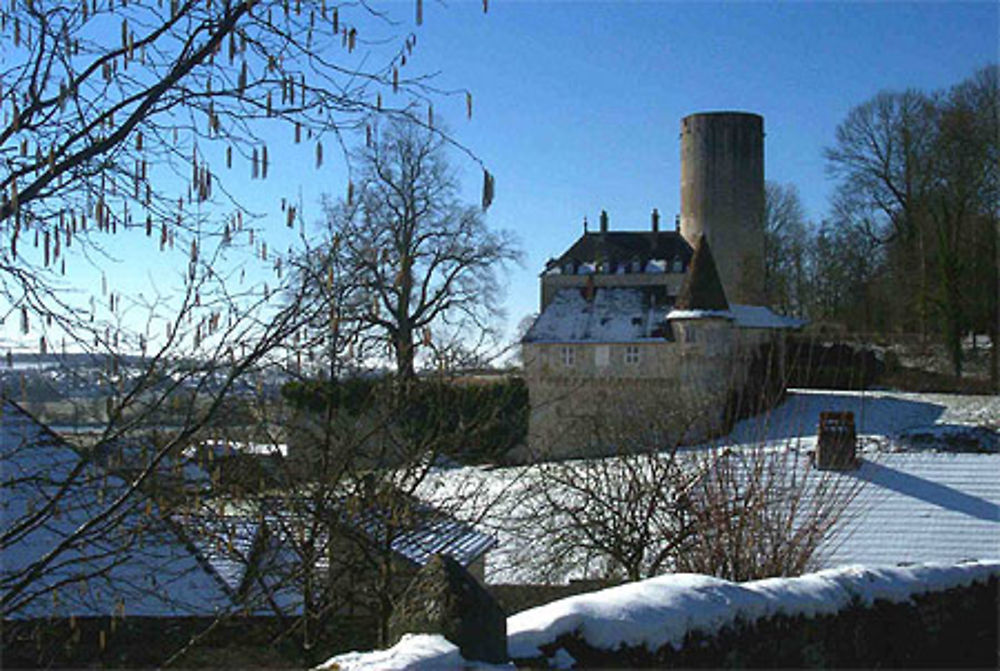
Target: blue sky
577,106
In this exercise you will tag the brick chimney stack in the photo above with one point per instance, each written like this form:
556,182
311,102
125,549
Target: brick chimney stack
836,443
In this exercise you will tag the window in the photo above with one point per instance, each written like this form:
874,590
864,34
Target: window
602,356
632,355
689,333
568,356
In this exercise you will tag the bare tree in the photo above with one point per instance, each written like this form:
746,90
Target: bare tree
136,123
918,172
741,511
762,511
426,264
786,239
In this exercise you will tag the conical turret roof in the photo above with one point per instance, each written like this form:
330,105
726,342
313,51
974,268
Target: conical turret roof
702,288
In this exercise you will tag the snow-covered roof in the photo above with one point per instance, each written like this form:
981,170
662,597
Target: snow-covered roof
699,314
919,507
743,316
127,560
614,315
498,498
618,315
265,537
761,317
433,532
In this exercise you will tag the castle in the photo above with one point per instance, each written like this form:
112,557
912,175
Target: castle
650,338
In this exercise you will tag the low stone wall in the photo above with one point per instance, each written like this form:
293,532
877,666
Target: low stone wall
952,628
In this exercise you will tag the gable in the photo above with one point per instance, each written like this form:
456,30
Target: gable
118,556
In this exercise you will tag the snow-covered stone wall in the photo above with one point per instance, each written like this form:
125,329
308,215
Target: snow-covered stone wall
937,615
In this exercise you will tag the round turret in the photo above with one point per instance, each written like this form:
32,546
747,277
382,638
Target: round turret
722,196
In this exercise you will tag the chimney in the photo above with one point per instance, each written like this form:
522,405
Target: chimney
604,221
656,220
584,224
677,222
836,444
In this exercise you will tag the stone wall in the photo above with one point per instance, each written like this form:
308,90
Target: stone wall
954,628
596,398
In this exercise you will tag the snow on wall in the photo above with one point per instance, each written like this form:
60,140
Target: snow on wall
413,652
662,610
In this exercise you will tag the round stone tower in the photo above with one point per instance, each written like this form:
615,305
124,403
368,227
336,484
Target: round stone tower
722,196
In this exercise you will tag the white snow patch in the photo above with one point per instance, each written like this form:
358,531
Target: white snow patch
699,314
413,652
662,610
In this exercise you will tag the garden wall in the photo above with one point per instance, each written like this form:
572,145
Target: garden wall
858,618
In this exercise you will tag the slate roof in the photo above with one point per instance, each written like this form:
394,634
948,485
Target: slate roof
615,315
762,317
702,288
896,507
628,315
920,507
623,247
136,562
433,532
234,542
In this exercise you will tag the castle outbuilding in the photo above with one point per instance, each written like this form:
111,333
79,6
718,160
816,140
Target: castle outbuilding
637,343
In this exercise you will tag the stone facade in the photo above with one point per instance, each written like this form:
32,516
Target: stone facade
590,398
637,345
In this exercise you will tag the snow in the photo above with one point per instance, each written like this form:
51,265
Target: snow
133,562
744,316
661,611
918,507
760,316
953,497
699,314
615,315
228,448
414,652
